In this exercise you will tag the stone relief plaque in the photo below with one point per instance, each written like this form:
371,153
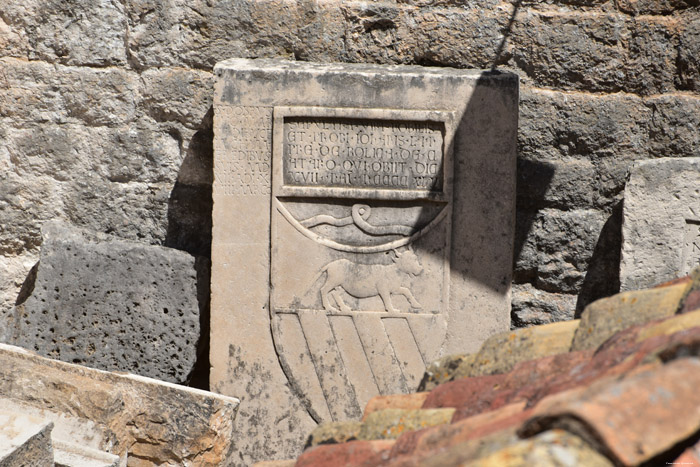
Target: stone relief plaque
362,226
359,197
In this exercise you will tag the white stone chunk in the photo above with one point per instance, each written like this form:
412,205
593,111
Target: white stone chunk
661,222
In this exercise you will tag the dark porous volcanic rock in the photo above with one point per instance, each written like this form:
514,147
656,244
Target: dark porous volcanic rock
110,304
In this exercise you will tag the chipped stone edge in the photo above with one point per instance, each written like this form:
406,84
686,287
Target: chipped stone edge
72,367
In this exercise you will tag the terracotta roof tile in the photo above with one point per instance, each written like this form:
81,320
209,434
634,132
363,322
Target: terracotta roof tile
631,419
443,370
603,318
691,298
501,352
475,392
423,442
392,423
284,463
395,401
446,451
689,457
356,453
550,448
334,432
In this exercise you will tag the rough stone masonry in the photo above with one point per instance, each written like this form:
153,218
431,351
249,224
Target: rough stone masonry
105,113
363,227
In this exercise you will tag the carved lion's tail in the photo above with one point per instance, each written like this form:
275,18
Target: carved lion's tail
316,278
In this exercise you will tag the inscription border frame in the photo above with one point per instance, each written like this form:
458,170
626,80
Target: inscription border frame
444,117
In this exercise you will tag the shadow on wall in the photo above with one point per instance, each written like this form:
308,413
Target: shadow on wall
189,228
602,276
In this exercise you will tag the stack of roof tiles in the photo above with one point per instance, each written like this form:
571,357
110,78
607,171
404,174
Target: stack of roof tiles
620,386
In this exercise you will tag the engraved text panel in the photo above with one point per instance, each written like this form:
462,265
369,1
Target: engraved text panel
363,153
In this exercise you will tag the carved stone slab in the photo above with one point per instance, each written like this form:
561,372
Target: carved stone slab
363,227
661,222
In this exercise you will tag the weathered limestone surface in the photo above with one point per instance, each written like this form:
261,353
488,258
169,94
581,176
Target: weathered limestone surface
153,421
110,304
25,440
661,224
366,172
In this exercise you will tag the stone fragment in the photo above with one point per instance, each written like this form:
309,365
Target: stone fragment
633,419
153,421
501,352
68,429
603,318
319,148
25,441
352,453
73,455
414,400
334,433
392,423
661,227
111,304
554,447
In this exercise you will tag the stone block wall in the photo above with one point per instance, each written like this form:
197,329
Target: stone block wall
105,113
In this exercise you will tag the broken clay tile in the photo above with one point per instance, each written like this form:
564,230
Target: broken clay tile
392,423
506,418
395,401
355,453
443,370
632,419
603,318
334,432
501,352
550,448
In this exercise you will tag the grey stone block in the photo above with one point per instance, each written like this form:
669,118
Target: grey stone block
111,304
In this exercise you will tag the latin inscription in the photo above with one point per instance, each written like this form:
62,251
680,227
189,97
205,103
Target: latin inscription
359,153
244,168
